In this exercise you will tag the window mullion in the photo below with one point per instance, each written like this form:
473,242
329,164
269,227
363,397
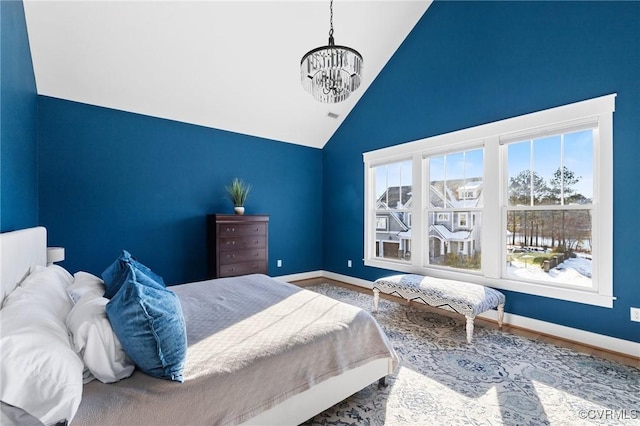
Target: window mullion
562,169
417,222
493,233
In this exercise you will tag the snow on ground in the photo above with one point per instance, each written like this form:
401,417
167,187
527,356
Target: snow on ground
574,271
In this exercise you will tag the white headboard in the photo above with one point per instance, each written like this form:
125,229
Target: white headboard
19,252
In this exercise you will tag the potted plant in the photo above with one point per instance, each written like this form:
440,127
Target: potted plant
238,191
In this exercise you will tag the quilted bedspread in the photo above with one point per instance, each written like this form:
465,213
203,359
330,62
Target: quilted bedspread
253,342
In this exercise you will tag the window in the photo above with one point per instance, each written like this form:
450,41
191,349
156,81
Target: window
549,208
523,204
382,223
393,202
442,217
451,177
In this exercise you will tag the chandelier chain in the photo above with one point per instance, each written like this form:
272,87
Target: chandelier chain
331,18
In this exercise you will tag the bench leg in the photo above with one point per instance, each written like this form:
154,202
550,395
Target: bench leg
382,382
500,314
469,328
376,299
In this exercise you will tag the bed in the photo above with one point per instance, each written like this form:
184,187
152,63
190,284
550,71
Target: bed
260,351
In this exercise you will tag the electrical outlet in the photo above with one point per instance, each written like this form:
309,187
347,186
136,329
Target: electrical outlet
635,314
349,263
279,263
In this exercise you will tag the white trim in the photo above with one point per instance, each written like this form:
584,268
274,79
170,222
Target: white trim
461,138
301,276
551,130
539,289
583,337
576,335
588,113
348,279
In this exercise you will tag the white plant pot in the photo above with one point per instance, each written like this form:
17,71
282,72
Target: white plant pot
238,210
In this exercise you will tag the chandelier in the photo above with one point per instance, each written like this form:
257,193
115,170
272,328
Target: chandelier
330,73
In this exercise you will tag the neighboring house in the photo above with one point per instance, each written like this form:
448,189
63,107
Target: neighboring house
450,230
393,228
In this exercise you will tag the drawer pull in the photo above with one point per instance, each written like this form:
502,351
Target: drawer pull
231,229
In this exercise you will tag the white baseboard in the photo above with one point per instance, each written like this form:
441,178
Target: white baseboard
301,276
583,337
347,279
609,343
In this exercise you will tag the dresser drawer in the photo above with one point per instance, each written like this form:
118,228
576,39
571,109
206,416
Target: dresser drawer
234,256
241,243
237,245
234,269
233,229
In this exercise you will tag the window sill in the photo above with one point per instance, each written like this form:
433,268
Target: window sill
561,293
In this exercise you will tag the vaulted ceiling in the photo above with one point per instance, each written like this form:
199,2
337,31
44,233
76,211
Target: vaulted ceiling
230,65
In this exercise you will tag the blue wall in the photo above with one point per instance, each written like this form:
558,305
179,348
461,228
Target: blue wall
469,63
111,180
18,104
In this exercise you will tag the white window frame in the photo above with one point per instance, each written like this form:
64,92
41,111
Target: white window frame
464,215
385,221
491,137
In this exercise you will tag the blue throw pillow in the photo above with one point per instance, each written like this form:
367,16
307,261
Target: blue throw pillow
148,320
115,273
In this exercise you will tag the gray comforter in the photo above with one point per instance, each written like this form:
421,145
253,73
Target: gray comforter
253,342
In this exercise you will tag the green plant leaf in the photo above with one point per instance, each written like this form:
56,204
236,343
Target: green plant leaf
238,191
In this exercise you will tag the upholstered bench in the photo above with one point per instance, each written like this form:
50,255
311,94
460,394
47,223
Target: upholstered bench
455,296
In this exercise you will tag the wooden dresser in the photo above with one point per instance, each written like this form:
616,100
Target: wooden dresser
237,245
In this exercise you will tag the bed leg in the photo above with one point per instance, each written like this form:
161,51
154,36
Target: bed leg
382,382
376,299
500,314
469,328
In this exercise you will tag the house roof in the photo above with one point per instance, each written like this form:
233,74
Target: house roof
395,194
450,236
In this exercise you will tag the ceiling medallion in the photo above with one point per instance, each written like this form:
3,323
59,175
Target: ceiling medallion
330,73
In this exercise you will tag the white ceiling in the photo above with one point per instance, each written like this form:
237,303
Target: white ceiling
230,65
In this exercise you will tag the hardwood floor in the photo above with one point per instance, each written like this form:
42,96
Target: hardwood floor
518,331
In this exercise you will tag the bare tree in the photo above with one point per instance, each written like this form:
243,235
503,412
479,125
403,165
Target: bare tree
527,188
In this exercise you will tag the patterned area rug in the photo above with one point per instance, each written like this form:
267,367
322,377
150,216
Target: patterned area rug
500,379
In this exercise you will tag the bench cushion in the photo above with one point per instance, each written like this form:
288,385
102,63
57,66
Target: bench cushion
455,296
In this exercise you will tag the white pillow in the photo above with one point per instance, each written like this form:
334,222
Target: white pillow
41,374
48,285
43,299
83,283
95,341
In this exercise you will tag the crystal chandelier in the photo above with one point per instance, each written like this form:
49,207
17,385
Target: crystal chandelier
330,73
